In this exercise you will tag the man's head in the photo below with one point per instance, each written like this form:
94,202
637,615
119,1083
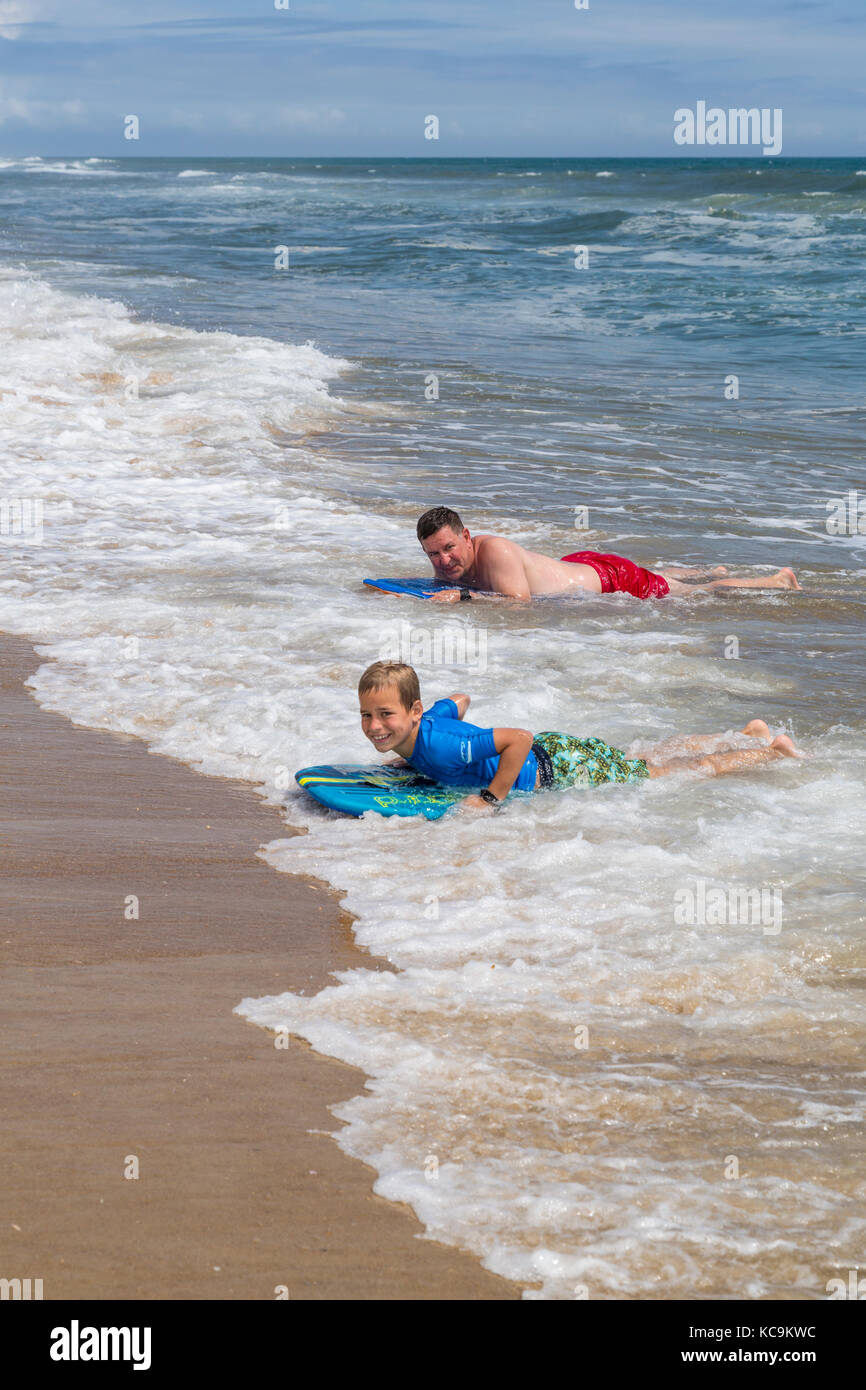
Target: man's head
391,708
446,543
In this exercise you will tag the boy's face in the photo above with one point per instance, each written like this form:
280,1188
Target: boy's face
449,552
390,727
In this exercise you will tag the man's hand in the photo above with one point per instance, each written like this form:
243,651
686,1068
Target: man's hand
446,596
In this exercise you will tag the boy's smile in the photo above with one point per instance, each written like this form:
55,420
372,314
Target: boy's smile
385,721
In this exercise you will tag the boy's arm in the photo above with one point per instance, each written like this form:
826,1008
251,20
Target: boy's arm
513,747
462,702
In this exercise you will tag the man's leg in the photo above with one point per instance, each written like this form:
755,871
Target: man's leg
706,572
782,579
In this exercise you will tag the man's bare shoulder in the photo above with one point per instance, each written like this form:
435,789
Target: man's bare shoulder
497,545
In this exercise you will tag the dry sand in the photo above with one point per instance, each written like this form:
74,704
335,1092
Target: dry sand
118,1039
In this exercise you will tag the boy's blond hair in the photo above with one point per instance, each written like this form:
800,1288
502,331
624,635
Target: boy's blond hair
395,673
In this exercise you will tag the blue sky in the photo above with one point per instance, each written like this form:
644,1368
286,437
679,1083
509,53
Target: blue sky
358,77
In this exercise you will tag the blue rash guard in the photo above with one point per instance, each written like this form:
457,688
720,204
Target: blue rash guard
458,754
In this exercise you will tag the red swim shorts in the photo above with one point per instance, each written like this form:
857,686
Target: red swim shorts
621,576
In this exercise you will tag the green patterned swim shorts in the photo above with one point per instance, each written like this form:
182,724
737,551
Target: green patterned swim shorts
577,761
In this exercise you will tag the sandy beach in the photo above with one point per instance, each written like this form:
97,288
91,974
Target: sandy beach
119,1042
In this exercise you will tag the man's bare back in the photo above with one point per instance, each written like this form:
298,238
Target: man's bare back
504,567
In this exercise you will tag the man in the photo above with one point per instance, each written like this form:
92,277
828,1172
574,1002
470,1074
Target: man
495,565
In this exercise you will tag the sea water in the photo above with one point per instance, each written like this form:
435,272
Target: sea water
621,1054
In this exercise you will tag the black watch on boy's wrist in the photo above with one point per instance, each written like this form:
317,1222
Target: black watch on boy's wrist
487,795
465,596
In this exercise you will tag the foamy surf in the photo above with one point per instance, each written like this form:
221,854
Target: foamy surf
561,1071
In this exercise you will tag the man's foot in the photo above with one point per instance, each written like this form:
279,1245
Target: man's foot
789,579
785,745
756,728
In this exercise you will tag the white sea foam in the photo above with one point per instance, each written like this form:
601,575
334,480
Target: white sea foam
27,161
35,164
198,584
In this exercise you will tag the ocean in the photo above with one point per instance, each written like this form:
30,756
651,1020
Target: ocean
621,1052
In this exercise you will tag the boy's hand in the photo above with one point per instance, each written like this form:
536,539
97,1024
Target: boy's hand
446,596
476,803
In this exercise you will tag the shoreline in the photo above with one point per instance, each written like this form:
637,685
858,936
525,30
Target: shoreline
121,1050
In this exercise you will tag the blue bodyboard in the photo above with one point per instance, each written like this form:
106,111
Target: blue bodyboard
418,588
391,791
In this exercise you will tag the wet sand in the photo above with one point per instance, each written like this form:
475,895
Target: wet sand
120,1048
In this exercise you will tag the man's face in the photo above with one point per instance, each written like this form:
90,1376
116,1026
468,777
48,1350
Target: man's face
385,721
449,552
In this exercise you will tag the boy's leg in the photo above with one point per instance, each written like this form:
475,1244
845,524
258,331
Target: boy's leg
714,764
782,579
704,743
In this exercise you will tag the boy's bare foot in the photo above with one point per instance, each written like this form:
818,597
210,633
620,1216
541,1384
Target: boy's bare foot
756,728
785,745
789,578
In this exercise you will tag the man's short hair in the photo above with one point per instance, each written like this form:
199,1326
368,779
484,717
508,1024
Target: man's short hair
435,519
397,673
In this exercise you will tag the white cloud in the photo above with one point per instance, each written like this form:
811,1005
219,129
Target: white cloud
22,110
311,118
273,118
14,13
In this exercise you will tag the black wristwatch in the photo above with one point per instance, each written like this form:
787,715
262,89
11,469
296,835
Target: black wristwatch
488,795
465,596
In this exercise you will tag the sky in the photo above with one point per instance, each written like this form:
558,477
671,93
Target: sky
359,77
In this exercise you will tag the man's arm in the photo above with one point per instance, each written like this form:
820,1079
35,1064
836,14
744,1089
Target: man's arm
503,568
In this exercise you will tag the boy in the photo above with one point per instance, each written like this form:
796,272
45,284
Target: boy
440,744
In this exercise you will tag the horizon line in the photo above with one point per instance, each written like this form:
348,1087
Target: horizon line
440,158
